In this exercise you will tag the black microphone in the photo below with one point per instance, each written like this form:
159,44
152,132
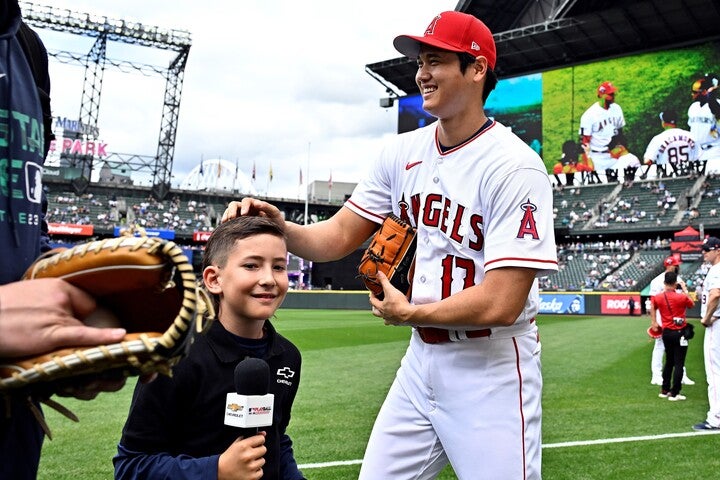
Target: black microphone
251,406
252,377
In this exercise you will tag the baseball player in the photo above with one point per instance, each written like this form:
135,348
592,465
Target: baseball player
709,314
673,146
704,120
657,285
601,121
481,202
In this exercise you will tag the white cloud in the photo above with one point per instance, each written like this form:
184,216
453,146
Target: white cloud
275,82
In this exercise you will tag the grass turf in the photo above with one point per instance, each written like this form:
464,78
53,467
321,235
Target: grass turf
597,387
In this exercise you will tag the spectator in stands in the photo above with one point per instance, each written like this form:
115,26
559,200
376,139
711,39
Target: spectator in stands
36,316
657,285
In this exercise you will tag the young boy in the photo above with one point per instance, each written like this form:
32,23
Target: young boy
175,428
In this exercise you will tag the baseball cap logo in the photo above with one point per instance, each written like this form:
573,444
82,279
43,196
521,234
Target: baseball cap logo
431,28
475,46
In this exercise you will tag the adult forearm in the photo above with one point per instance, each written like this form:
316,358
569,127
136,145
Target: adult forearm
316,242
331,239
496,302
710,310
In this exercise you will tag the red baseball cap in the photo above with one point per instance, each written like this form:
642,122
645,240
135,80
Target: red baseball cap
672,261
606,87
453,31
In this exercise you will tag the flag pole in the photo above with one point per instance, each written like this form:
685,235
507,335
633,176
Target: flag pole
330,188
307,184
236,173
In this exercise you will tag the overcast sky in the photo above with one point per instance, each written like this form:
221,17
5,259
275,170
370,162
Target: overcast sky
279,83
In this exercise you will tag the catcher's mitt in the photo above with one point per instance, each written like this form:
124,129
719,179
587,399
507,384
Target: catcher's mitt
391,251
148,287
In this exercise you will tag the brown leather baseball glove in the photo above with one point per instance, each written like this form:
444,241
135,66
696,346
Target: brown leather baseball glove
391,251
145,285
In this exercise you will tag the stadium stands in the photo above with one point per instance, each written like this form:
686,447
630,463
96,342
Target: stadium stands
589,265
644,204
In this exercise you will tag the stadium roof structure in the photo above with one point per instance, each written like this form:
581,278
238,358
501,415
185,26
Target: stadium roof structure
536,35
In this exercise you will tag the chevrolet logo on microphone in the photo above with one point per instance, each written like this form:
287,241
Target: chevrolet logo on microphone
234,407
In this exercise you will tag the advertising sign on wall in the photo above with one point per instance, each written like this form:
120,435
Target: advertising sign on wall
70,229
562,303
618,304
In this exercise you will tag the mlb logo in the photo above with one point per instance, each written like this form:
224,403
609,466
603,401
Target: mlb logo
33,182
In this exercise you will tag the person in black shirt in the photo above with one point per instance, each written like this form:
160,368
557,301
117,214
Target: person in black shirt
175,428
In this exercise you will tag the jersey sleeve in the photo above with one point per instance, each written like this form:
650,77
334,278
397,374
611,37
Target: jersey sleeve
519,229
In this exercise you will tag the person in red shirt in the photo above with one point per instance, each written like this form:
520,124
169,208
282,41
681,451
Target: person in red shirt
672,304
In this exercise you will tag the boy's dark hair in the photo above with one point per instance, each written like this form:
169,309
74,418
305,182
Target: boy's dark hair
223,238
490,79
670,278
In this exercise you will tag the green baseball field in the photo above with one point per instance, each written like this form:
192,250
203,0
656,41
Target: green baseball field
602,418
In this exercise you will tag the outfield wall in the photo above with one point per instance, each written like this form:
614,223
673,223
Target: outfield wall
330,299
570,303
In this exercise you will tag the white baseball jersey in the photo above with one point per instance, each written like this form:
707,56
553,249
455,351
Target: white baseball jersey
705,128
657,284
601,125
482,205
711,348
712,280
674,146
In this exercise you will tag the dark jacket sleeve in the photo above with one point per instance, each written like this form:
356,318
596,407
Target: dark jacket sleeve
135,465
148,434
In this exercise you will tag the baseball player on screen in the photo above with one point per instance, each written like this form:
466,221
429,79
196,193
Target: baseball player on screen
673,146
704,120
598,125
468,390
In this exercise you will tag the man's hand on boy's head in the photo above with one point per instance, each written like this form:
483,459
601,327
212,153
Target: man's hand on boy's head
252,207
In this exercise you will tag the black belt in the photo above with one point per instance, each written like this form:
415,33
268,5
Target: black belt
598,151
440,335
